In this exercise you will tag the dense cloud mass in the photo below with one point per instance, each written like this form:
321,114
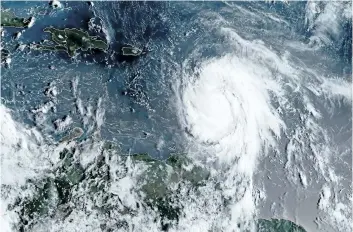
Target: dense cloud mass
177,116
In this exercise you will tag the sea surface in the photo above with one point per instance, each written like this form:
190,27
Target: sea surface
259,94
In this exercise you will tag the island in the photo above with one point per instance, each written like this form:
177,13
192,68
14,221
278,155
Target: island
277,225
77,132
9,19
71,40
5,57
131,51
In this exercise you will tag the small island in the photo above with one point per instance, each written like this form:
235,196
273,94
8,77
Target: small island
76,133
9,19
71,40
131,51
276,225
5,57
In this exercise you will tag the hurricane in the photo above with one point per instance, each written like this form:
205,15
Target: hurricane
177,116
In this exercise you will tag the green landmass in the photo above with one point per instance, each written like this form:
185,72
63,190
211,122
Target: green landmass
277,225
71,40
9,19
131,51
160,175
77,132
4,55
154,182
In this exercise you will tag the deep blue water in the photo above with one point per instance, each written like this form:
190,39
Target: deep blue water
139,96
173,33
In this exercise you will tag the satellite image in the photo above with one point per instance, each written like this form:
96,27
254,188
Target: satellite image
177,116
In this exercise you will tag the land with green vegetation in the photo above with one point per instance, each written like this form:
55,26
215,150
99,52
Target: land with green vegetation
54,193
131,51
4,55
9,19
77,132
277,225
71,40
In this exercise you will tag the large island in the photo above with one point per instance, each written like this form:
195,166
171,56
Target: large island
9,19
71,40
